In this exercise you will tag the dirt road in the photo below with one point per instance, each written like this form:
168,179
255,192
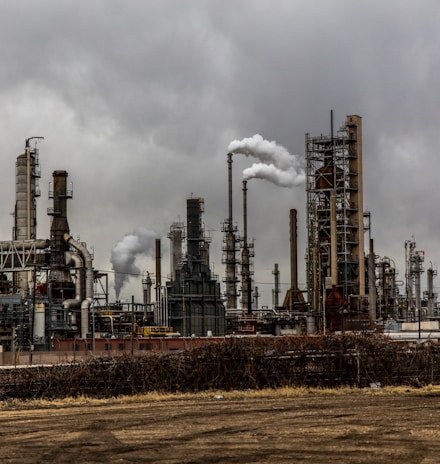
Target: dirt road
306,428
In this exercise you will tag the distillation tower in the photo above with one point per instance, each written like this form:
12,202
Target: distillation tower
194,298
335,254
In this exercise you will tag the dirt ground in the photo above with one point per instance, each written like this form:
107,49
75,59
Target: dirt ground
308,427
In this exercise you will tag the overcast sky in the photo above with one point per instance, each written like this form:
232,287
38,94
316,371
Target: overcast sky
139,100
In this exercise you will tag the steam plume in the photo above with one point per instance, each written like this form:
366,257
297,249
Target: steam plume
123,255
288,178
277,164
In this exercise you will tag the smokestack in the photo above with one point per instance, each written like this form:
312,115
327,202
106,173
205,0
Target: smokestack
231,264
276,291
230,189
158,265
293,250
293,295
59,227
246,284
245,213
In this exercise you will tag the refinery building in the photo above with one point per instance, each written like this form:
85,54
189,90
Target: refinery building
52,298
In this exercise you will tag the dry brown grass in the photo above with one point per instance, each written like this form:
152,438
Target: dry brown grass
286,392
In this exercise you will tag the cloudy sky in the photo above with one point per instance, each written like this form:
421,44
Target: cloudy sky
139,100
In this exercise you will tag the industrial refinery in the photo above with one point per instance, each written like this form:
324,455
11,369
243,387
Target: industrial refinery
52,298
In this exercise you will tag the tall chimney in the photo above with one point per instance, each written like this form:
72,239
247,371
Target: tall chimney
293,295
158,265
231,264
60,193
293,249
276,290
246,284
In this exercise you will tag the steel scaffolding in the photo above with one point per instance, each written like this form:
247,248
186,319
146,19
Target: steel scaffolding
335,255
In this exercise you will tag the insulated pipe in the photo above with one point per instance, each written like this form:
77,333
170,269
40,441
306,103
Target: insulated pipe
72,259
85,305
39,244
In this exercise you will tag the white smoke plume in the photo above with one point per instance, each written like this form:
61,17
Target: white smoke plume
277,164
123,255
289,178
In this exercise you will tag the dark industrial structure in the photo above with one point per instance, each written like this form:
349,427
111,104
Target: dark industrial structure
335,255
194,298
46,284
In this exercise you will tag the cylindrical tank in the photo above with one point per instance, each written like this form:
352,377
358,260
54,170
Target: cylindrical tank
310,325
38,324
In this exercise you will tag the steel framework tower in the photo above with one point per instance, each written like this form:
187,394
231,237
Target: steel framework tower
335,255
230,248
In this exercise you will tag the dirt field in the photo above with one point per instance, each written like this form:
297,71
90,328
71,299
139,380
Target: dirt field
316,427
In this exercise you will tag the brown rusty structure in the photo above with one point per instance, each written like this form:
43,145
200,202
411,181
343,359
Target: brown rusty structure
335,255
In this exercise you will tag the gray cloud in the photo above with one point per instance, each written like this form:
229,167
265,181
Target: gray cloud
139,101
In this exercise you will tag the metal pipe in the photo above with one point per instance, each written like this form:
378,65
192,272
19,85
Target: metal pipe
85,305
39,244
72,259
